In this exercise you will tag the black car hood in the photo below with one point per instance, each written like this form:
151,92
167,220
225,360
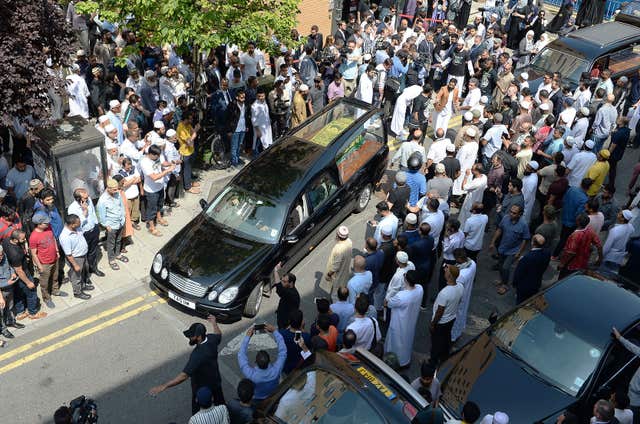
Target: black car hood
484,374
206,253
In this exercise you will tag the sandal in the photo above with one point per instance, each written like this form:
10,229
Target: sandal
194,190
163,222
114,266
195,184
38,315
123,258
123,250
502,290
22,315
155,232
136,226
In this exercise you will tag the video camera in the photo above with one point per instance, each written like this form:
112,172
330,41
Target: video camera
84,410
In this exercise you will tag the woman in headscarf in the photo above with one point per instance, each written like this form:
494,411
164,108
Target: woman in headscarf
525,49
517,23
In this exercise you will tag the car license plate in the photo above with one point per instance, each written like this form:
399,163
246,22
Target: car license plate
182,301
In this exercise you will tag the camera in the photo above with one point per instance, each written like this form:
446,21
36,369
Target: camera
259,328
281,106
83,410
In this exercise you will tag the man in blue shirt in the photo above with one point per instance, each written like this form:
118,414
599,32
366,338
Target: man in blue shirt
572,205
83,207
411,230
265,375
111,216
422,254
296,323
416,180
343,308
361,280
513,234
374,259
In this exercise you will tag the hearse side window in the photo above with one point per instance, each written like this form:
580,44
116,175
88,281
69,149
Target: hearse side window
360,148
320,191
623,60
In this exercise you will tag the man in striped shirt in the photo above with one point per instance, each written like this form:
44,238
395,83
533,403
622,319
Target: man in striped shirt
209,413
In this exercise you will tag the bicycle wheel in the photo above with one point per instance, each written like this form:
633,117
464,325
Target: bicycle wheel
218,157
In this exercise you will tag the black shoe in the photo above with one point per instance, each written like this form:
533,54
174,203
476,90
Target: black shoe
82,295
6,333
16,324
59,293
49,303
174,204
88,287
99,273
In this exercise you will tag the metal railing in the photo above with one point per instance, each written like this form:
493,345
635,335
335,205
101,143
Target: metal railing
612,6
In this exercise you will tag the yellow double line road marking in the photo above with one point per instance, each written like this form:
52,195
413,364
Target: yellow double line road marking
78,336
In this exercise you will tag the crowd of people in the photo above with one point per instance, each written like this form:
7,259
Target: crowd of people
535,169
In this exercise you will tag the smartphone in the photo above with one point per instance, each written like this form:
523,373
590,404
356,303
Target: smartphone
297,336
258,328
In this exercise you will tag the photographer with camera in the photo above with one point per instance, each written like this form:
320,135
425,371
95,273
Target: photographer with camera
202,367
279,104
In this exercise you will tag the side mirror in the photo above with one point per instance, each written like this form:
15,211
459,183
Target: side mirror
203,204
291,239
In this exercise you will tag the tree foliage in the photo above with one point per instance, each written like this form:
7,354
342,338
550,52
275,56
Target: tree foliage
203,24
30,32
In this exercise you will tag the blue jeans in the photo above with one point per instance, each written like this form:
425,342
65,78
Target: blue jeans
236,142
26,298
153,204
186,170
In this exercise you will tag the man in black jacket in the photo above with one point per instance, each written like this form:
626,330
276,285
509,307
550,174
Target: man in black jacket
238,123
289,296
527,277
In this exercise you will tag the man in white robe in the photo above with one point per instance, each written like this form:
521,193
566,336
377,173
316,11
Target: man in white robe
475,191
405,305
365,87
261,123
467,275
397,281
78,93
467,157
529,186
400,110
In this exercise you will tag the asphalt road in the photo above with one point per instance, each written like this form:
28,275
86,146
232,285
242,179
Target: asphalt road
116,349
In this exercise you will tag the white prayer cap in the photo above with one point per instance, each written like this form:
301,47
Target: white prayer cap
343,232
159,141
525,104
569,140
75,67
303,87
158,124
166,111
81,53
411,219
471,132
386,229
524,76
103,118
461,41
114,103
402,257
584,111
628,215
149,74
109,128
484,99
590,144
171,132
451,148
468,116
164,70
440,169
534,165
579,143
544,106
3,193
500,418
367,57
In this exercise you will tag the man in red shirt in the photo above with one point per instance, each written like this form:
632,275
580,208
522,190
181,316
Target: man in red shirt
577,250
44,251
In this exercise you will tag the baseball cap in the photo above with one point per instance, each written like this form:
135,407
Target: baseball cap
40,218
196,329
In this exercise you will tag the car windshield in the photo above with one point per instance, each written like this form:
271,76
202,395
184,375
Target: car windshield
321,397
551,351
550,60
248,214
